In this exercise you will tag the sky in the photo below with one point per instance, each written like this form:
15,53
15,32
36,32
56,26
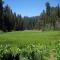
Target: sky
29,7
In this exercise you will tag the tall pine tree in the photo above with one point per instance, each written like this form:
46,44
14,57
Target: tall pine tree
1,14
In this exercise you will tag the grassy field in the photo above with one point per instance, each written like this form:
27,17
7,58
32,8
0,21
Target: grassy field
47,41
23,38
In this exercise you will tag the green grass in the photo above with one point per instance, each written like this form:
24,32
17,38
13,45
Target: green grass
22,38
25,42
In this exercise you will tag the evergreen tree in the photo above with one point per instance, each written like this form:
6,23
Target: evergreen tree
1,14
47,9
58,11
8,22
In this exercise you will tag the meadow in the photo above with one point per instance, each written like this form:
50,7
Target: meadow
42,45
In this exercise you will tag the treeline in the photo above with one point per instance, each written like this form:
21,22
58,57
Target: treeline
48,19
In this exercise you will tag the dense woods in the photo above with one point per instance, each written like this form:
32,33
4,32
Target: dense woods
49,19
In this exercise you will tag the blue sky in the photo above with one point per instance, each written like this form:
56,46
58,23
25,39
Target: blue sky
29,7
